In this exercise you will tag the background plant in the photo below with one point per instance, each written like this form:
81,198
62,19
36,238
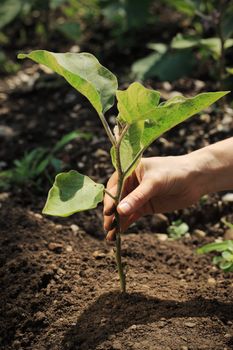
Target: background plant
204,43
177,229
225,259
36,163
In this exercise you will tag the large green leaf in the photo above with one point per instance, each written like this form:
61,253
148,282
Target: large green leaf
135,102
173,112
156,121
84,72
180,108
72,192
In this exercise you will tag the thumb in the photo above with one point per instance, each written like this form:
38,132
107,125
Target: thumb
137,198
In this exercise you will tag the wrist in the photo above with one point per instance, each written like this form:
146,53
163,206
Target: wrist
214,164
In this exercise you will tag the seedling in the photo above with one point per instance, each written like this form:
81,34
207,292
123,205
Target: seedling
225,260
36,162
177,229
227,223
140,121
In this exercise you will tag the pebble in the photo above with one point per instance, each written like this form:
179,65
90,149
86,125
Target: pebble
162,237
16,344
183,337
101,153
133,327
228,197
40,316
116,345
97,254
205,118
190,324
211,281
199,233
69,248
227,335
4,196
74,228
228,234
184,347
55,247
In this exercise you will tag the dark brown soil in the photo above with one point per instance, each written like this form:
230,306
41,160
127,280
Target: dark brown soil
59,285
60,290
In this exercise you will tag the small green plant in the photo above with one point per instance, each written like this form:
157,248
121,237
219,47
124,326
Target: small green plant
225,260
35,163
140,121
177,229
227,223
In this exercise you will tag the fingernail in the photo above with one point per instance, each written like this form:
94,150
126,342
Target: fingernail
124,207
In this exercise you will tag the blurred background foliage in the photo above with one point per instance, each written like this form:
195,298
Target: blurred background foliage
165,40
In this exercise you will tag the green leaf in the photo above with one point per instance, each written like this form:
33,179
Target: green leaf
84,72
170,65
227,255
213,45
72,192
218,247
226,266
142,68
9,9
230,70
71,30
70,137
227,223
156,120
217,259
179,109
181,41
177,229
130,146
184,6
227,23
174,111
134,102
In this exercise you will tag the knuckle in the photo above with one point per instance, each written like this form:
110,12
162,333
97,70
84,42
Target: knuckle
137,196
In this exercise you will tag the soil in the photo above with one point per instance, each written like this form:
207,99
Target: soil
60,290
59,285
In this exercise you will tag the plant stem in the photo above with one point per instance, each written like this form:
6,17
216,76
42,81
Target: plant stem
109,194
118,256
138,155
222,43
107,129
120,183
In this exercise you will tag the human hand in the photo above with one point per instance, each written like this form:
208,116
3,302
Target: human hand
158,185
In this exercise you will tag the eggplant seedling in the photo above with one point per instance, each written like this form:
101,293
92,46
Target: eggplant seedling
140,121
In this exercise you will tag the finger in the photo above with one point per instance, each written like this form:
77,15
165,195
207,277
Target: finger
108,220
137,198
111,235
109,203
130,220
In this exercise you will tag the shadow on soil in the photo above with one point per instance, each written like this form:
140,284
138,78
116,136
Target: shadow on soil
112,313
